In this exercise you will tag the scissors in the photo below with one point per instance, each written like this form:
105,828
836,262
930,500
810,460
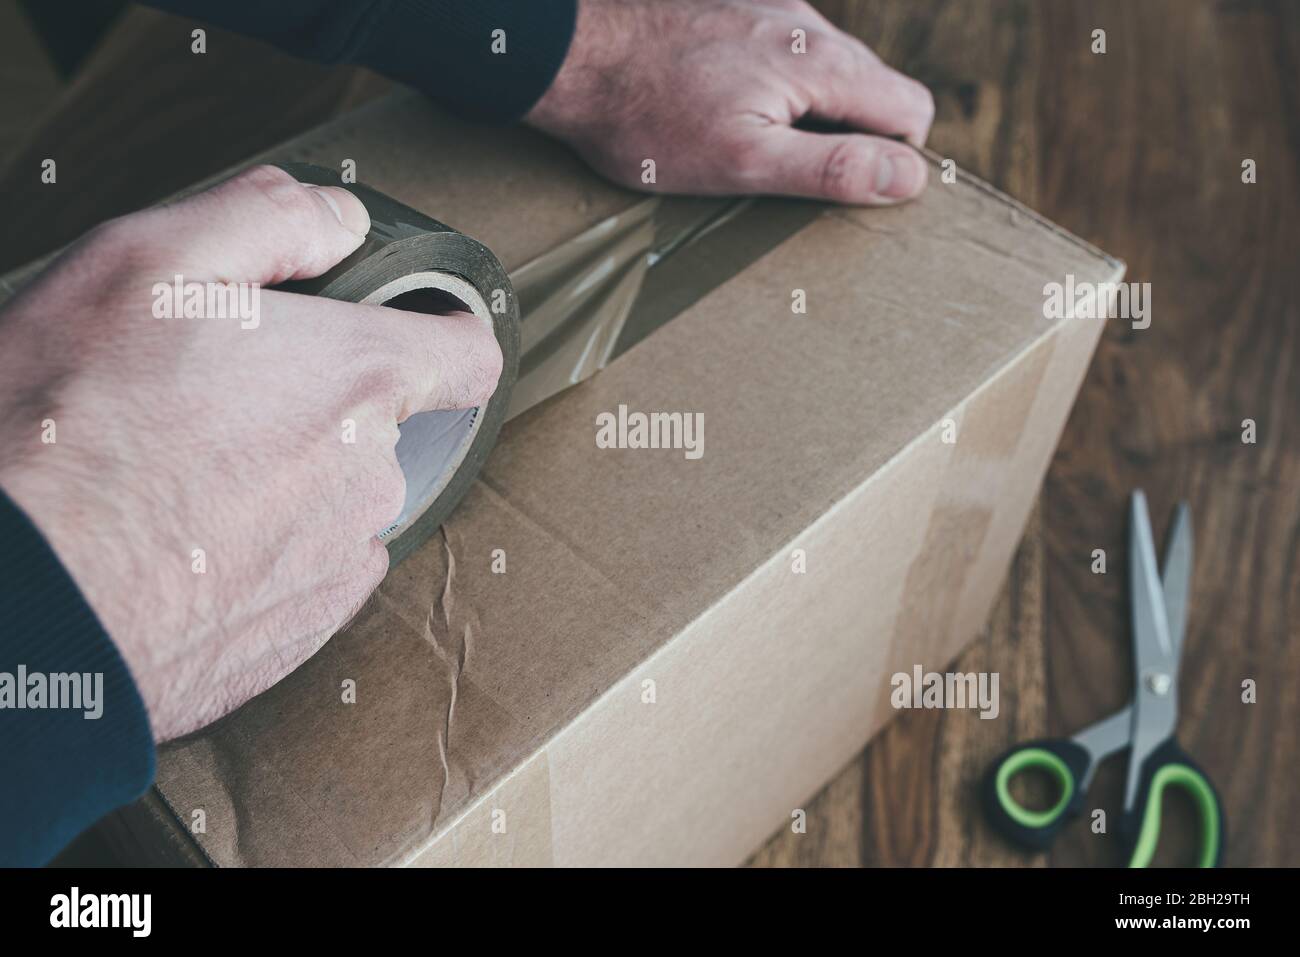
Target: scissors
1146,726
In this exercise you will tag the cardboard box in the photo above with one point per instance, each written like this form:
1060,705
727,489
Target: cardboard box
679,651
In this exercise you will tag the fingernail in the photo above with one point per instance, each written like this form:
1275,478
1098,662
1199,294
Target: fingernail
900,176
349,210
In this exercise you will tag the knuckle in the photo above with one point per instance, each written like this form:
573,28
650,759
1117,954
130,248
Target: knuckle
273,196
379,383
125,258
843,60
266,178
845,166
113,231
125,239
287,195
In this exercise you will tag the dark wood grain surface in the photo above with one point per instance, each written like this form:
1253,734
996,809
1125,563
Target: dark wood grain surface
1140,151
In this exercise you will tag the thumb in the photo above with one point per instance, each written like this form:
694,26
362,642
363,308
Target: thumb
841,167
261,225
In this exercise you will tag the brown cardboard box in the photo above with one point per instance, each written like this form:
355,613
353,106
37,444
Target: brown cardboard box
651,680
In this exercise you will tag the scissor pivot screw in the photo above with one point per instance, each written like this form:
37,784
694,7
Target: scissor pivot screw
1159,682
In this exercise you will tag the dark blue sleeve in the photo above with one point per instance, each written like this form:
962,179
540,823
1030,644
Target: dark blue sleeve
75,740
441,47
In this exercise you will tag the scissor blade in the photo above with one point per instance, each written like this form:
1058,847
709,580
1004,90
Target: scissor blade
1177,576
1150,625
1155,698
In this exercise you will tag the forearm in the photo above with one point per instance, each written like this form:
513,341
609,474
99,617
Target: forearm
449,49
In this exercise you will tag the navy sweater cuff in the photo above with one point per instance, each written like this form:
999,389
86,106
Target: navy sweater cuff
483,59
75,740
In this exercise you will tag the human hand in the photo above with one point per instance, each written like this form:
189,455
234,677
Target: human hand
179,434
710,91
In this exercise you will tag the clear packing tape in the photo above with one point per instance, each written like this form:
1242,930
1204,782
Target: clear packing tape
559,318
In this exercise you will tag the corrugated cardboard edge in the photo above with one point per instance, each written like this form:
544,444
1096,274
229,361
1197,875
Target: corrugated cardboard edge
1018,207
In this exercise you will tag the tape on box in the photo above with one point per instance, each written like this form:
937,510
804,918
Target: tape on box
585,302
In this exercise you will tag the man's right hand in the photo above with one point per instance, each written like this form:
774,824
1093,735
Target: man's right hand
178,435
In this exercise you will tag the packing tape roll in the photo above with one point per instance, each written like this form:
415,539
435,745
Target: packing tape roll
411,261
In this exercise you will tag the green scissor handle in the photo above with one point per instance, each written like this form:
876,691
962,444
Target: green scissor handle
1064,761
1169,766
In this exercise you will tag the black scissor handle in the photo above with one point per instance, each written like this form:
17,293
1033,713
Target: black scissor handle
1170,766
1066,762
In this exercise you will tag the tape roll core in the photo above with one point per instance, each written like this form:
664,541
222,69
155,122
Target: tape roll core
433,445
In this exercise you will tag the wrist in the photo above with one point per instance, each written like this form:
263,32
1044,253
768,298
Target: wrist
589,78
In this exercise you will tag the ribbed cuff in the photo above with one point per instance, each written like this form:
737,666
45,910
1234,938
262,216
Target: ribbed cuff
61,768
446,49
